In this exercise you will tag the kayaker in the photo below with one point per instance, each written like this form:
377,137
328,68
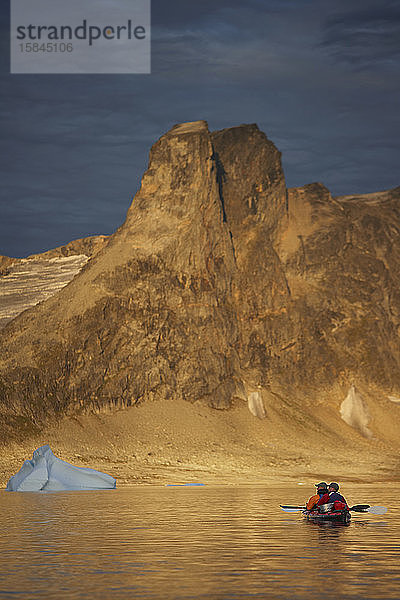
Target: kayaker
322,489
332,495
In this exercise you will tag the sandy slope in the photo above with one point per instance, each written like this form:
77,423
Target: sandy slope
174,441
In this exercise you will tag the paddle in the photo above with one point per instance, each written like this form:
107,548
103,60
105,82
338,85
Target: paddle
360,507
374,510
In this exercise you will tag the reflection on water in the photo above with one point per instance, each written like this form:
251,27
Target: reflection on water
183,542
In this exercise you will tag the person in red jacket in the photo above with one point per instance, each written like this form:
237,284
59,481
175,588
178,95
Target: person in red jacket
332,495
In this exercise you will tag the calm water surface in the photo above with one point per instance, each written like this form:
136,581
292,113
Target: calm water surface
182,542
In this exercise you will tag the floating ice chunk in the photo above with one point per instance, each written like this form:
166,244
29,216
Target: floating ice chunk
47,472
31,476
184,484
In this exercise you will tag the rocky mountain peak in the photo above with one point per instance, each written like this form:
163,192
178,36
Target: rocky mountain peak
221,286
155,313
189,127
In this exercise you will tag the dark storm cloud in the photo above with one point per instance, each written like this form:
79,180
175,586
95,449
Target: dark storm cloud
315,110
74,147
366,37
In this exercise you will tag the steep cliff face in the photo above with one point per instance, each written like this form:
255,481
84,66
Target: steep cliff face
253,190
220,285
341,259
155,313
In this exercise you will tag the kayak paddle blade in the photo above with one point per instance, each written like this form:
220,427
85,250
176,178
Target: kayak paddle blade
377,510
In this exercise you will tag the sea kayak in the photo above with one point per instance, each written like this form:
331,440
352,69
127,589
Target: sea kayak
333,516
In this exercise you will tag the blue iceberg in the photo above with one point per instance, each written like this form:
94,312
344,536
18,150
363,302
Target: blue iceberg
46,472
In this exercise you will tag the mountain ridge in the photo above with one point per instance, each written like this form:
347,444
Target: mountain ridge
223,286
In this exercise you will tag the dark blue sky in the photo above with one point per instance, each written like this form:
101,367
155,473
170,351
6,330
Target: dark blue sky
321,78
